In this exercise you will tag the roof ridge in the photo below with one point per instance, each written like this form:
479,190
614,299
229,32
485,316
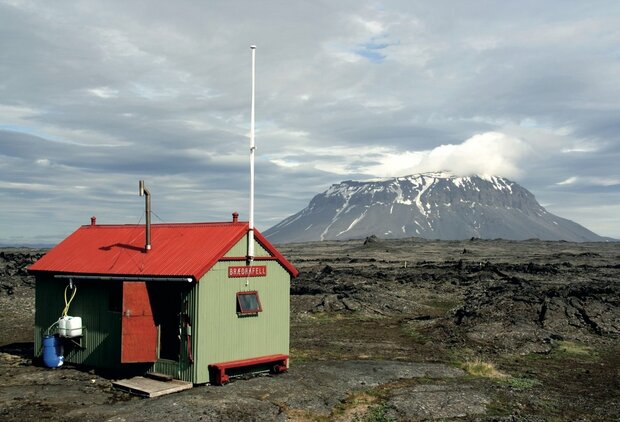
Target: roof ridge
179,249
193,224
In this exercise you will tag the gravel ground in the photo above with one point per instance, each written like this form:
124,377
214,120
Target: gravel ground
381,330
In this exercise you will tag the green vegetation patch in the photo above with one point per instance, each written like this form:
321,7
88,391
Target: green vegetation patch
576,349
480,368
302,355
377,413
355,407
410,331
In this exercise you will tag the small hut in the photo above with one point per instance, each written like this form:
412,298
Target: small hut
189,304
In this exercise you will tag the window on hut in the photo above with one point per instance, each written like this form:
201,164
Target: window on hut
248,303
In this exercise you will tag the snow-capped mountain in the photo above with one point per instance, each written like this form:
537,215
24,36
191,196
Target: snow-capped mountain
428,205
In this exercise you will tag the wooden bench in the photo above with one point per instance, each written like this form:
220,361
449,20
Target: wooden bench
217,371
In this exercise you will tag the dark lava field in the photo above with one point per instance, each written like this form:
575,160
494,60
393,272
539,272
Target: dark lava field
476,330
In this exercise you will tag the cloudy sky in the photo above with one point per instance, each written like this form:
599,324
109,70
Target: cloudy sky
97,95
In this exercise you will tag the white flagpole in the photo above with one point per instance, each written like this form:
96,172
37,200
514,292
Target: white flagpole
252,149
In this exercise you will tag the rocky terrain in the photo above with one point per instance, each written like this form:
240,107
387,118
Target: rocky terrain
383,330
17,294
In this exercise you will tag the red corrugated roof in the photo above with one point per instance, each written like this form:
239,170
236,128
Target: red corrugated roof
179,250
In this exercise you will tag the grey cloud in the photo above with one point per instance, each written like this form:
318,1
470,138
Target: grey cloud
168,85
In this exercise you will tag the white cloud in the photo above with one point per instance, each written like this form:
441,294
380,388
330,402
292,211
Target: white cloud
16,114
605,181
104,92
372,26
284,163
581,147
590,181
392,164
570,181
490,153
383,105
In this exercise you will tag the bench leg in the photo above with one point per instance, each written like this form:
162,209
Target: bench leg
223,377
218,375
279,367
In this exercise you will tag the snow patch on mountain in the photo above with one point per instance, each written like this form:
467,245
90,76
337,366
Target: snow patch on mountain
435,205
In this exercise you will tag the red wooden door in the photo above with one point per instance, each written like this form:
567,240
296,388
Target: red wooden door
139,333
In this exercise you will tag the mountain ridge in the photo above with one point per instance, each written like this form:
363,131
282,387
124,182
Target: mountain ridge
429,205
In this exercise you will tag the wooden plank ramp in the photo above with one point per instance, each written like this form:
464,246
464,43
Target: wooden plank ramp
149,387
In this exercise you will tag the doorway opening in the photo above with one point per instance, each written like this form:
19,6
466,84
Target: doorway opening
166,301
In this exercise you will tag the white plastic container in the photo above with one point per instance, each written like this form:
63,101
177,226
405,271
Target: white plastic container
70,326
62,326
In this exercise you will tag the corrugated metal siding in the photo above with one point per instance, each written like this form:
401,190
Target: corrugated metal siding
45,313
223,335
241,249
103,327
179,250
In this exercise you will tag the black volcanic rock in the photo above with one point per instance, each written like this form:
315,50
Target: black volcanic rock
371,239
431,206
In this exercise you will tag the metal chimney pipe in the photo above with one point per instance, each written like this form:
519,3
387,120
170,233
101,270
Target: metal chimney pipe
145,192
252,150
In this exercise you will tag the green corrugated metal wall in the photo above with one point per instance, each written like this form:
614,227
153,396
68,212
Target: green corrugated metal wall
91,303
102,336
223,335
241,249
